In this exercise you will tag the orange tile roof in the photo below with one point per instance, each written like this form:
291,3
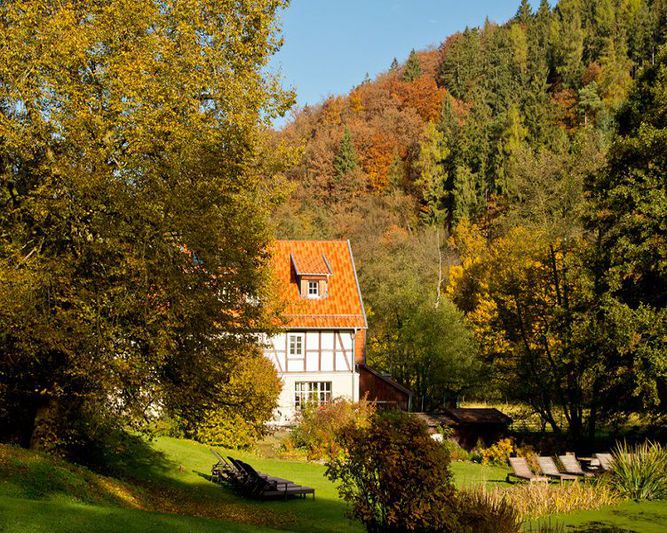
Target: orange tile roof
341,308
309,263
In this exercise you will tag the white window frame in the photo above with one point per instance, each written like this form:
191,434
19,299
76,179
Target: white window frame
313,289
312,392
296,343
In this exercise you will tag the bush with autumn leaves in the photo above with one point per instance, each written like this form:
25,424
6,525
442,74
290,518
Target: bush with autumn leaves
397,478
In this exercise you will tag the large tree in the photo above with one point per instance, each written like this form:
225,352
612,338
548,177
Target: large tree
630,221
132,207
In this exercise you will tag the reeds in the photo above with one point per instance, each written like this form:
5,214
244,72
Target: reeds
535,501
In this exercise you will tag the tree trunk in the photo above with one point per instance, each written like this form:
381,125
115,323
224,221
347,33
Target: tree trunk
44,433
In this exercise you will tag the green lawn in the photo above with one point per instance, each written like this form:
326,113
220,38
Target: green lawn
164,489
644,517
62,516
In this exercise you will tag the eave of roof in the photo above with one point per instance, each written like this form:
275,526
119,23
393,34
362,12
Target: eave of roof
386,379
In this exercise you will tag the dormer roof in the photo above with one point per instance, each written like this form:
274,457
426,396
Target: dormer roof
343,305
307,263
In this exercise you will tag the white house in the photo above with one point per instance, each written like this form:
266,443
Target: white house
320,355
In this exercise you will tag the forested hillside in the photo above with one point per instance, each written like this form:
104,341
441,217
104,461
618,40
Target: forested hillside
505,198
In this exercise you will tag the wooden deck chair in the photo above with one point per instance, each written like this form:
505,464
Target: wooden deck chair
572,466
606,461
522,471
549,469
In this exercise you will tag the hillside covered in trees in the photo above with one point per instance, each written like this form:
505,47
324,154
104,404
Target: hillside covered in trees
505,196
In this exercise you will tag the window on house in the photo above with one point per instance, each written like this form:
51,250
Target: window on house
313,289
311,392
296,345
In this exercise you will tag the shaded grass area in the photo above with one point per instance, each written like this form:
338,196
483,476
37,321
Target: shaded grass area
62,516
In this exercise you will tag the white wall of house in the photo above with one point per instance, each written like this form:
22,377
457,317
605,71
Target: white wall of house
345,385
313,356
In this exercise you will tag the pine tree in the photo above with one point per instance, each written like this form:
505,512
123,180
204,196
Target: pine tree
394,65
433,178
590,103
346,157
567,42
412,69
467,196
524,13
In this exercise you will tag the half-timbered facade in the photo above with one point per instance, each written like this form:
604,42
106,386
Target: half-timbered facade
324,336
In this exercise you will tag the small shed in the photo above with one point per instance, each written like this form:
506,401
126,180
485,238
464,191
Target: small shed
470,424
383,390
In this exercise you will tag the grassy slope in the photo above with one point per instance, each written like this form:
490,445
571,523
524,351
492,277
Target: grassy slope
165,490
63,516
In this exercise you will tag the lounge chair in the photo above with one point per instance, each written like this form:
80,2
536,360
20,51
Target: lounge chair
265,487
549,469
247,469
606,461
222,469
522,471
572,466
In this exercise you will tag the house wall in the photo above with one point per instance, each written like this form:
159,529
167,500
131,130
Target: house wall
360,347
324,351
343,385
329,355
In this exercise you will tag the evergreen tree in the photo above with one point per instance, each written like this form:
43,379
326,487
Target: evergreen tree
632,194
509,144
394,65
468,195
462,67
631,258
524,13
412,69
567,42
433,177
346,157
590,102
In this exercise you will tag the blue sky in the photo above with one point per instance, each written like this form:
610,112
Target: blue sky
330,45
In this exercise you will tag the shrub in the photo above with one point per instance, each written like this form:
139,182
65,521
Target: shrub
456,453
250,397
317,426
640,473
394,475
498,453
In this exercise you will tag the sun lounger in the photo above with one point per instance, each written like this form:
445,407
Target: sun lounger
522,471
572,466
222,469
549,469
248,481
265,487
606,460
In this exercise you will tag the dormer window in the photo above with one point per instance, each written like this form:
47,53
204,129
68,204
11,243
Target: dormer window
311,274
313,289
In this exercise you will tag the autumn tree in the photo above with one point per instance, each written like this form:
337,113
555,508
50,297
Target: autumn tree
133,212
